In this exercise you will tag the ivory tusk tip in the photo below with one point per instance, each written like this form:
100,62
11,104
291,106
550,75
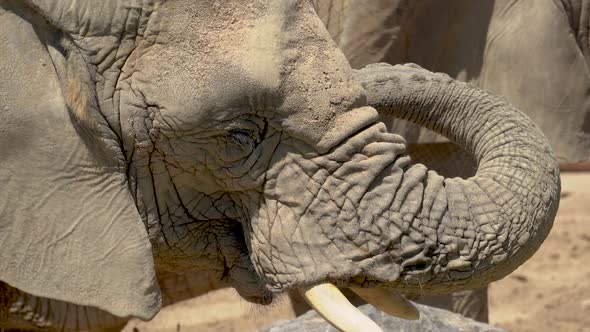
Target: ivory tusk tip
335,308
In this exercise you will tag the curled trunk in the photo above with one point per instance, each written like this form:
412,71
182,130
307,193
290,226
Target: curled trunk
363,214
478,229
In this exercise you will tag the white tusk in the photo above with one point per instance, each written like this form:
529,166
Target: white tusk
388,302
335,308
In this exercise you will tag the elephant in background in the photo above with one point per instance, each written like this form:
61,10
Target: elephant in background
147,139
536,54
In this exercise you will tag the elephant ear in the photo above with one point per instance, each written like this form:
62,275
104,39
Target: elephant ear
69,227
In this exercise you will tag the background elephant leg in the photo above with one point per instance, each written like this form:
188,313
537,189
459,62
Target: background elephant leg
469,303
472,304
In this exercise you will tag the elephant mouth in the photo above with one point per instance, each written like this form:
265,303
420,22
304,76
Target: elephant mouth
237,269
309,235
324,297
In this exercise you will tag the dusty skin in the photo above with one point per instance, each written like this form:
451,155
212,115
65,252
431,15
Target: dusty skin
139,141
549,292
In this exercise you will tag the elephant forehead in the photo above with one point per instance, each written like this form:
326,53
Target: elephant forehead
243,33
211,57
272,58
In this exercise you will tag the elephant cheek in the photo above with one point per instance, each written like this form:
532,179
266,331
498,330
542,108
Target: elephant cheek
328,217
316,247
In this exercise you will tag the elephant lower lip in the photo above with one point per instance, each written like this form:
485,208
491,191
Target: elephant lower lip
237,266
262,299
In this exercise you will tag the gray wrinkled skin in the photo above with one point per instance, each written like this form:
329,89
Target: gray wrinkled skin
233,139
432,320
534,53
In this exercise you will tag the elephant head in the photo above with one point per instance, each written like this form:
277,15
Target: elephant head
234,137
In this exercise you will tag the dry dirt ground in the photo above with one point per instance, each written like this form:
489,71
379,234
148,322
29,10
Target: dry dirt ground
551,292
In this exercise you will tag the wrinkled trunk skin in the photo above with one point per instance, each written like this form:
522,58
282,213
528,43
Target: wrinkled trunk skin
366,214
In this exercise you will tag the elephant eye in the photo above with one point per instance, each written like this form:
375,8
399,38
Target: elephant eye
243,137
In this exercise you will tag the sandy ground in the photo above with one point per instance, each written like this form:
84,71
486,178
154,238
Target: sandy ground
551,292
218,311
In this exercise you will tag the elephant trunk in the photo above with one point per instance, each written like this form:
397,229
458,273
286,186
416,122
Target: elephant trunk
481,228
364,215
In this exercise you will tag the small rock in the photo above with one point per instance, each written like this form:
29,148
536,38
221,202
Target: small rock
431,319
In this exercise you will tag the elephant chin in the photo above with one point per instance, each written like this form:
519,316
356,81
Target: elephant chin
237,266
247,283
219,251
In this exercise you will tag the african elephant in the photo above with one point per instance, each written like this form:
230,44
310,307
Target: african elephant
536,54
233,138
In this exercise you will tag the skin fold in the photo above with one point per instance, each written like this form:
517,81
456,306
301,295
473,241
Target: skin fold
146,139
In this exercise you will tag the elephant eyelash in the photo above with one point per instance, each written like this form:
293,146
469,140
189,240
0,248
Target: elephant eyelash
242,136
